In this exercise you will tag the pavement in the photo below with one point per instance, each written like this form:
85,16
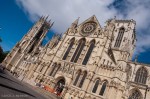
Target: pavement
43,92
12,88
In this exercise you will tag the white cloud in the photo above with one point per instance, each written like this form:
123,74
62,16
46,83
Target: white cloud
64,12
140,11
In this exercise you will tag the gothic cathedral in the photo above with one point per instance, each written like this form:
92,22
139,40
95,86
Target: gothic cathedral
86,62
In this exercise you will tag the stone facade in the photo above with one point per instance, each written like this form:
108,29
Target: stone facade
88,61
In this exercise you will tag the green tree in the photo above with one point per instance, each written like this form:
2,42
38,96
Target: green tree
2,53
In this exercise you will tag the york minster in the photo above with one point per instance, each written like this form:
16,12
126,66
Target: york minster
88,61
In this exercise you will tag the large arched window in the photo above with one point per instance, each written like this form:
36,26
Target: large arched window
92,44
69,48
78,50
119,37
77,78
141,75
135,95
104,85
96,86
82,79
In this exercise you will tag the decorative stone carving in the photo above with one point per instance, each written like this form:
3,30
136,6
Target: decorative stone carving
67,68
88,28
129,71
120,66
126,46
87,96
109,69
90,74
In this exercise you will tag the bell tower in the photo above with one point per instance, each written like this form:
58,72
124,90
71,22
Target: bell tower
124,39
28,44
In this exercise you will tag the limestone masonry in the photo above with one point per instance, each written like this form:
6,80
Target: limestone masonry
86,62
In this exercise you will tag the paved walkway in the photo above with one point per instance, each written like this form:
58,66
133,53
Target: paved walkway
39,90
45,93
12,88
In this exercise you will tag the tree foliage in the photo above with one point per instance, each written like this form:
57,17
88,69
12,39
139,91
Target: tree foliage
2,53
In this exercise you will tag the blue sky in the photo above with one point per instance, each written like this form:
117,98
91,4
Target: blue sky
14,24
18,16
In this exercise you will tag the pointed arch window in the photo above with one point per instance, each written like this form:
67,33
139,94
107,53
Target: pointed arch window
77,78
88,54
53,69
56,70
38,35
141,75
83,79
103,88
135,95
119,37
41,69
96,86
69,48
78,50
31,49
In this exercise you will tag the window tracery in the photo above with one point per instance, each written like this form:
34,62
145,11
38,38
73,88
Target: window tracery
96,86
119,37
135,95
77,78
88,54
69,49
78,50
141,75
82,79
103,88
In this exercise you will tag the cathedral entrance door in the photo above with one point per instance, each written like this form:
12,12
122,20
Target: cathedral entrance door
59,86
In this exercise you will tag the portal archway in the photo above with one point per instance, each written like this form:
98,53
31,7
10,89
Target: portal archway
60,84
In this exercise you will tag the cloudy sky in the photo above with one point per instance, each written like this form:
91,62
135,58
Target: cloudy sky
64,12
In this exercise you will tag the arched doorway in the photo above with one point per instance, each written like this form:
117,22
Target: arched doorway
59,86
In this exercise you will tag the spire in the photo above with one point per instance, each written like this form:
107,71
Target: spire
52,24
111,21
54,41
92,18
75,23
46,17
49,21
41,18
